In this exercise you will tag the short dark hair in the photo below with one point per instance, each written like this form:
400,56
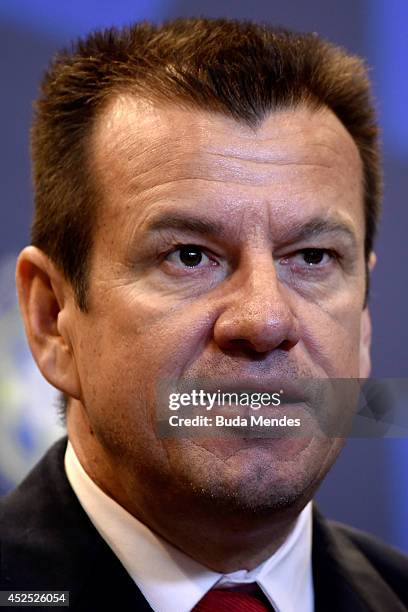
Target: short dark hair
242,69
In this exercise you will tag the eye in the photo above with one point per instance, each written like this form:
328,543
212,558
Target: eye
315,257
189,255
310,258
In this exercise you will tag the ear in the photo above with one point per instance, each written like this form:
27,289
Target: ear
365,332
47,306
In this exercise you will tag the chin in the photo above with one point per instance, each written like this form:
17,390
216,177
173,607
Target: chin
249,499
256,477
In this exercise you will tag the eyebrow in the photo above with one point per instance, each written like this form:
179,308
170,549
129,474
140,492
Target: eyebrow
318,226
199,225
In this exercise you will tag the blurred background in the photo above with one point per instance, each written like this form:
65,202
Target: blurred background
368,485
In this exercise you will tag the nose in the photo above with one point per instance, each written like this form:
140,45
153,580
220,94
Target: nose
258,316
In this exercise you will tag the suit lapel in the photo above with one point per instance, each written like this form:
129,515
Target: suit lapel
344,580
49,543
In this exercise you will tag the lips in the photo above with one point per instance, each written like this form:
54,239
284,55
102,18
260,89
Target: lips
290,391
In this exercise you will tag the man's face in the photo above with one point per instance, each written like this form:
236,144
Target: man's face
250,301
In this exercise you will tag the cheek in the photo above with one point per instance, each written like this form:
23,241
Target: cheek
123,357
332,338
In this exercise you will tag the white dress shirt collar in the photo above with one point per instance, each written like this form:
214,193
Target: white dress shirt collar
170,580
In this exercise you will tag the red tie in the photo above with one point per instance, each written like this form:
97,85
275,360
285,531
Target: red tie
228,600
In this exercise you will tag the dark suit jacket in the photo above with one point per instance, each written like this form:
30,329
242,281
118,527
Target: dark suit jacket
47,542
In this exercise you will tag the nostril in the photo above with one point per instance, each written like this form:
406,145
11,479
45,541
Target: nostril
246,348
286,345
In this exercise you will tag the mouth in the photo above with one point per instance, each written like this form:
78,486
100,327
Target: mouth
277,399
287,391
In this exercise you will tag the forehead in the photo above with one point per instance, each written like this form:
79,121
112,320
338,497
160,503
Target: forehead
143,153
